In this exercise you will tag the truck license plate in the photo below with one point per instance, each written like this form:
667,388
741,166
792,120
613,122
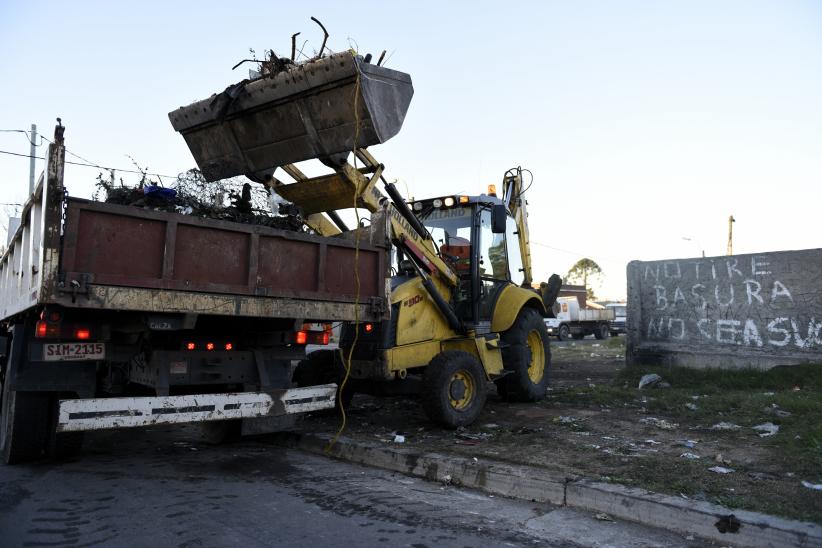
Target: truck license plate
73,351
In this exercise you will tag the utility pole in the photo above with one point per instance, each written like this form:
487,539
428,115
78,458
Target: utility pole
731,222
33,150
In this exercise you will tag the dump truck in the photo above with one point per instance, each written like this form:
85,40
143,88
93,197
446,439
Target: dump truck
116,316
461,310
620,317
571,320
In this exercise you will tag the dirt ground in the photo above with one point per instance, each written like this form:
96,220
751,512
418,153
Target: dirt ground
595,423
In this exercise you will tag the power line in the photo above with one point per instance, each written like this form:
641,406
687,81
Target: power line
90,164
26,134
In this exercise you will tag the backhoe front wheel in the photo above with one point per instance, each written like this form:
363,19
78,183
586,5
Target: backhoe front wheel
453,391
527,357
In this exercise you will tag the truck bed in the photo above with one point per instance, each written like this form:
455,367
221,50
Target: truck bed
127,258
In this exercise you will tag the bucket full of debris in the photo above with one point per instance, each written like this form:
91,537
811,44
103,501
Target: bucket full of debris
316,109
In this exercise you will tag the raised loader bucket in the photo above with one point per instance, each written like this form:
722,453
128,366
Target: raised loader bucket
301,113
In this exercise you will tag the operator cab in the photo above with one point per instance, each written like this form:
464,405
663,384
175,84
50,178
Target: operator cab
477,238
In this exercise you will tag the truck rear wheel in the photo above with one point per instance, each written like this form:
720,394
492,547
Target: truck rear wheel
453,389
528,358
23,420
564,333
602,331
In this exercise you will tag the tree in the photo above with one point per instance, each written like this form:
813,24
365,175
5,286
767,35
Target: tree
581,272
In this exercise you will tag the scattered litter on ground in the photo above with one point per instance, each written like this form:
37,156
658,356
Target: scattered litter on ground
720,459
649,380
766,429
692,406
596,345
768,393
475,436
565,419
814,486
774,409
398,438
490,425
652,442
725,426
721,470
446,479
689,456
760,476
603,517
659,423
690,444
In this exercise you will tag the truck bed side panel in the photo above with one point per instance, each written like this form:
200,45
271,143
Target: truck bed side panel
28,267
127,248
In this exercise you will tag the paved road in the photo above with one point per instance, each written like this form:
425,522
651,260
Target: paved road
162,487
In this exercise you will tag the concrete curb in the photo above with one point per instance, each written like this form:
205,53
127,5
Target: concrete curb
687,517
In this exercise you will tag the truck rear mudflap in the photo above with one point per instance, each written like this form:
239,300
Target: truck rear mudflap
312,110
109,413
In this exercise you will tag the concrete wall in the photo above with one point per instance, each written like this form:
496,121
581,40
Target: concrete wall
759,310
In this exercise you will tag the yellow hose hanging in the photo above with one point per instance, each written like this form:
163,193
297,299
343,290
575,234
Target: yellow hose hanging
347,361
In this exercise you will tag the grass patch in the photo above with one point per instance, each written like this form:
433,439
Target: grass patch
743,397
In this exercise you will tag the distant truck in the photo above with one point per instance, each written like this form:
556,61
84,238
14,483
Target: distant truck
573,321
620,312
116,316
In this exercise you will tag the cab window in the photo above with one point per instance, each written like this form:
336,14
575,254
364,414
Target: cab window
514,256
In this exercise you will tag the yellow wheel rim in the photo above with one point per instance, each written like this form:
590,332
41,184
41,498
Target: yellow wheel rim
461,390
536,369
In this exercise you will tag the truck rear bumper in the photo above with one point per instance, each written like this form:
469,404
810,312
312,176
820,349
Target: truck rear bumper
110,413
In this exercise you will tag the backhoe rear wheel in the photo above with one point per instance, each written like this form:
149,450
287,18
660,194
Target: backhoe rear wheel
528,358
453,389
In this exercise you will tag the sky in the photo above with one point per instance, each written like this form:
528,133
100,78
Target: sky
646,124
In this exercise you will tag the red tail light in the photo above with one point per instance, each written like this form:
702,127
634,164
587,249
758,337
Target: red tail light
210,346
46,330
369,327
326,337
82,334
302,337
229,346
190,346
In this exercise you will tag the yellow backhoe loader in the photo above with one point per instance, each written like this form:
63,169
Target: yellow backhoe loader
461,311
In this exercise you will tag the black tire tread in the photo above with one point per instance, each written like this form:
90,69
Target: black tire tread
517,385
28,427
435,384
